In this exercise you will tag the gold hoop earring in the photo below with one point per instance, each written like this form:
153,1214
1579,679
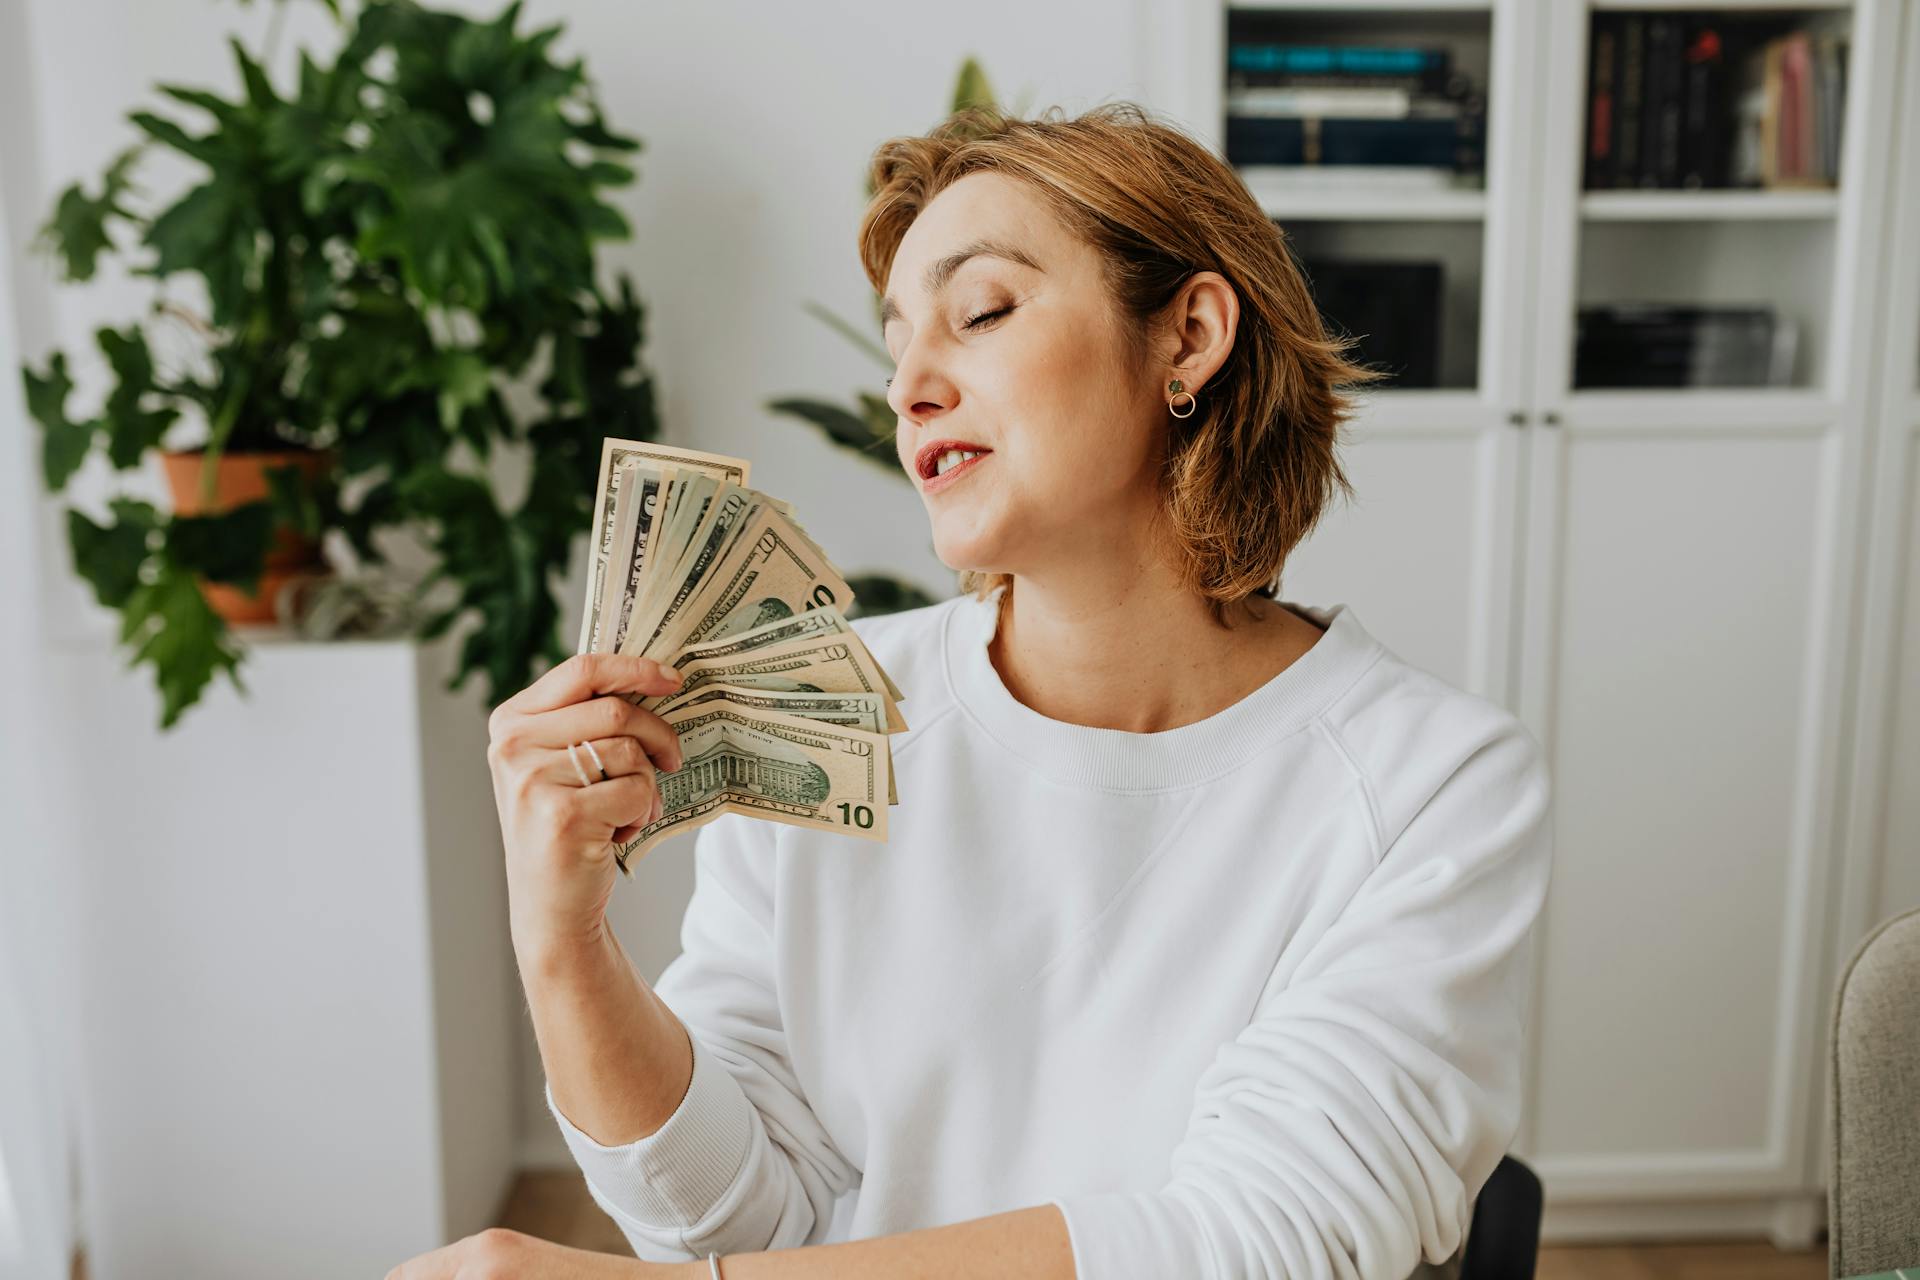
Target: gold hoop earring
1175,390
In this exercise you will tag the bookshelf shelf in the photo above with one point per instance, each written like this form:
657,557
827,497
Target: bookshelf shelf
1384,413
1344,8
1731,6
1289,196
1703,206
1683,411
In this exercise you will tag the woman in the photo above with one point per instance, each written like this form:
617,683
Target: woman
1199,947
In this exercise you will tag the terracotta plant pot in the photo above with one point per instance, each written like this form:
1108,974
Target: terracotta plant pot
240,478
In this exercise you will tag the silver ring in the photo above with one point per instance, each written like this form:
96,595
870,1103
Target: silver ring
597,763
574,756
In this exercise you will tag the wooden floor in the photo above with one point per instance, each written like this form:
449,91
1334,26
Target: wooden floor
556,1206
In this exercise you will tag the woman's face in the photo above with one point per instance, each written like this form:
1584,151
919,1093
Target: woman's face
1023,360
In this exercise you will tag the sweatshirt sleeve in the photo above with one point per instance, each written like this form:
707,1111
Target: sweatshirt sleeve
743,1164
1345,1132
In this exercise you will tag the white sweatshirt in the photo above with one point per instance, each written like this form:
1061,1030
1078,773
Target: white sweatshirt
1247,997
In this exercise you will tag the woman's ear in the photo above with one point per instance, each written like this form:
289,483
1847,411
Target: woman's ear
1198,328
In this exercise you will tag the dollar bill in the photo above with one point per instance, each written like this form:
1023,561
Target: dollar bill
624,558
860,710
824,663
775,662
869,711
823,621
614,456
728,512
632,553
766,764
811,623
769,572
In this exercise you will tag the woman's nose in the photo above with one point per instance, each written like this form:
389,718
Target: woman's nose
917,391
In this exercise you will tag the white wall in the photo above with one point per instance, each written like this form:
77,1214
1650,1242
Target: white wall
36,1037
757,120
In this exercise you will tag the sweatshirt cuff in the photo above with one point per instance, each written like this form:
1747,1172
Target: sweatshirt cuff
672,1177
1130,1235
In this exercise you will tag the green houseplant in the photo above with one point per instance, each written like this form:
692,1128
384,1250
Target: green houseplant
866,428
369,267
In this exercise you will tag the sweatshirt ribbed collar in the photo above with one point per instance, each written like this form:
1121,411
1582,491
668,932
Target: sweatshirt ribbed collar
1117,760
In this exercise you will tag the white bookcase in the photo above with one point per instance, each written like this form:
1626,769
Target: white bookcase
1705,602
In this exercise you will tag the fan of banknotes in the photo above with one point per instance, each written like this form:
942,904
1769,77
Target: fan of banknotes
782,712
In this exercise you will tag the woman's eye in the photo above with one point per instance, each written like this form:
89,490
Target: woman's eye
985,316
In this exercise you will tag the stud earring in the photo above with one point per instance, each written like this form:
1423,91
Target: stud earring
1176,389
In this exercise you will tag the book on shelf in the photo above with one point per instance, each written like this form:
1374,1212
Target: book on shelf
1448,146
1703,117
1346,102
1344,107
1393,308
1602,104
1633,66
1660,113
1277,183
1711,100
1653,344
1254,60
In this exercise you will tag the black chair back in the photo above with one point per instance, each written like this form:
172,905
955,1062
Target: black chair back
1503,1239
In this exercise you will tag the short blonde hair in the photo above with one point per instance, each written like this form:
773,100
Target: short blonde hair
1249,473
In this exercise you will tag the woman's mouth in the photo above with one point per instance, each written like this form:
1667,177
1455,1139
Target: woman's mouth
958,468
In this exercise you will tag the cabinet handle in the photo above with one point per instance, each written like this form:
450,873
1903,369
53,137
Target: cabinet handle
1517,418
1550,419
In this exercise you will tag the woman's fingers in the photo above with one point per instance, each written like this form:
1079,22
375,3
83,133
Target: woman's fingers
597,718
587,674
632,829
614,804
620,757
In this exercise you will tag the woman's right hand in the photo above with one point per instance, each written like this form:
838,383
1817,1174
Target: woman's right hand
560,835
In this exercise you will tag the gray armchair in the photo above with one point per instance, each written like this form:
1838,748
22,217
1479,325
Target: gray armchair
1873,1168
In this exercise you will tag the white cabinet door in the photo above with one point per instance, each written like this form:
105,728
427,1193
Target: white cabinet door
1687,610
1424,554
1682,653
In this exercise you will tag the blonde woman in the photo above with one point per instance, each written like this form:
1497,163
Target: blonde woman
1199,947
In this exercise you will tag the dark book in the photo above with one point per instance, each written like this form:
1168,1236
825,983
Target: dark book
1266,140
1681,345
1703,143
1439,143
1673,107
1660,104
1255,62
1393,308
1633,61
1839,99
1602,90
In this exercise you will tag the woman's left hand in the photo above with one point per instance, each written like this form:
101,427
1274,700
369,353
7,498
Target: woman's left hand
499,1254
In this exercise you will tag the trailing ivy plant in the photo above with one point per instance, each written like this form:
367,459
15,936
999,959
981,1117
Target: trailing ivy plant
368,260
866,429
